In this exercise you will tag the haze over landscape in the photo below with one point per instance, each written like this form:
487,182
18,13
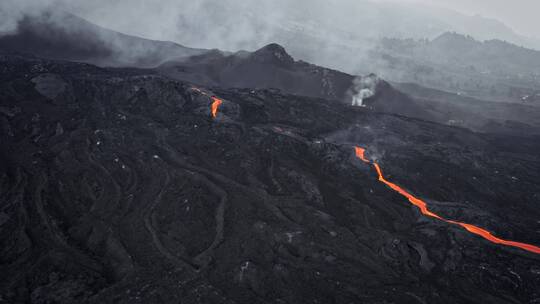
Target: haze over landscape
282,151
520,15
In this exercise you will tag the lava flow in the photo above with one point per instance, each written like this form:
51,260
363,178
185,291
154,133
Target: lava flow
360,153
215,105
424,210
216,102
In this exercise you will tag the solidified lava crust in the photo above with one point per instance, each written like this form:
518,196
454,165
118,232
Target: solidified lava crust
118,186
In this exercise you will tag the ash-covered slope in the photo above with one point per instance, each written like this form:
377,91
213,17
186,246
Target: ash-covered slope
479,115
59,35
272,67
269,67
64,36
67,37
118,186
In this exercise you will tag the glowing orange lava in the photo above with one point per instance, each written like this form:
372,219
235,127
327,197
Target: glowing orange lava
424,209
215,105
360,154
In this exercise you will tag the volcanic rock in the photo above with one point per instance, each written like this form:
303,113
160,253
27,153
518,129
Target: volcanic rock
144,197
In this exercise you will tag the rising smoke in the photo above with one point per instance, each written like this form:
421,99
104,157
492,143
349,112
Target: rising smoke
363,87
13,11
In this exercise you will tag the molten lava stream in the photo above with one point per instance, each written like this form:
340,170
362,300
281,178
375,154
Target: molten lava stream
360,153
425,211
215,105
216,102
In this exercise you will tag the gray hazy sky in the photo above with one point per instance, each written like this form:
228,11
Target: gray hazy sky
160,19
520,15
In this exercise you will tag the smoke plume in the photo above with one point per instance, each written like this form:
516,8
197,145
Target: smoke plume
13,11
363,87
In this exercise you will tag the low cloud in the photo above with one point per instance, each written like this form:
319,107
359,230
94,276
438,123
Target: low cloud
12,11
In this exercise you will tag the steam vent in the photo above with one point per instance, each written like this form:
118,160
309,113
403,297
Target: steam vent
272,157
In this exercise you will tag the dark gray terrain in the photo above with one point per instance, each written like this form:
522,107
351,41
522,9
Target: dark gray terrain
272,67
117,186
268,67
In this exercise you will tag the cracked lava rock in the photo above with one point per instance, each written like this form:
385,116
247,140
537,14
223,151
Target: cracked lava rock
118,186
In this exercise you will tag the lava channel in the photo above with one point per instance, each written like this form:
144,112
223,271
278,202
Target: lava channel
216,102
215,105
360,153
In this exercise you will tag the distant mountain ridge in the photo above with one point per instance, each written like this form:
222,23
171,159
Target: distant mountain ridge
490,55
270,67
58,35
477,26
492,70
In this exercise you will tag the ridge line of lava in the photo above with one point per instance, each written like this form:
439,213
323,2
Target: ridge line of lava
422,205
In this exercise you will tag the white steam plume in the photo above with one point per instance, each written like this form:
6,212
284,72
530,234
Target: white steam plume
363,87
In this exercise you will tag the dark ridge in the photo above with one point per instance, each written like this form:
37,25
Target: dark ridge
274,54
59,35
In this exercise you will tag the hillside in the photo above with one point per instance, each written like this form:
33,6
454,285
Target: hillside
272,67
491,70
118,185
59,35
269,67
